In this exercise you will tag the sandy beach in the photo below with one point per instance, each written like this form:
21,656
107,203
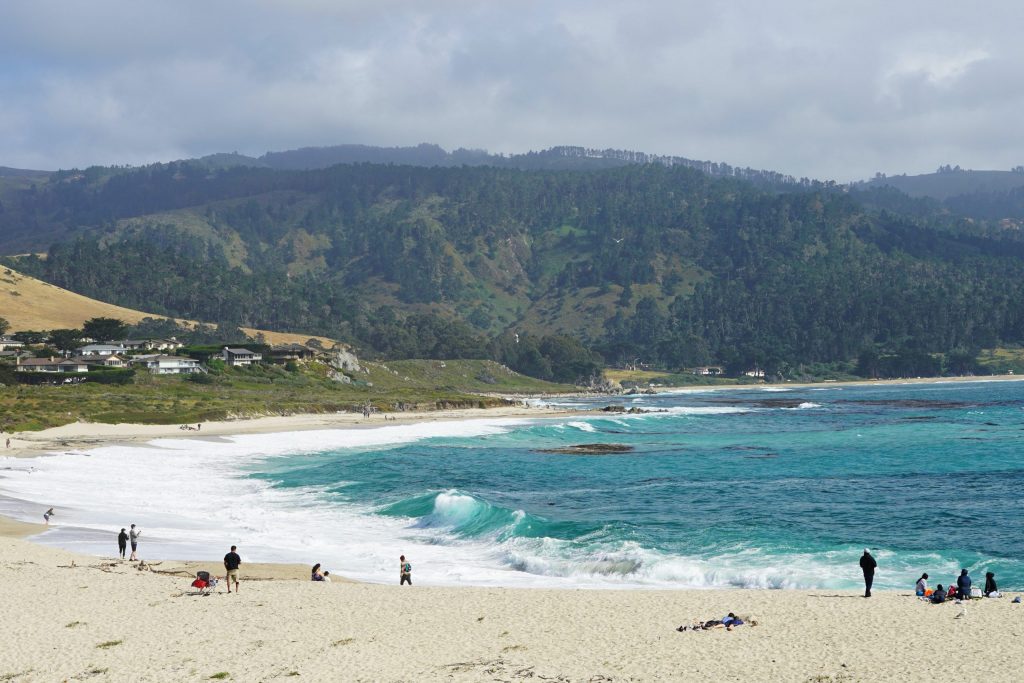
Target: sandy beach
74,617
85,435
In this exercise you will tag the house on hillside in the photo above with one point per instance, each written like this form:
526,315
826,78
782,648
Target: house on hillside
99,350
282,353
111,361
708,371
171,344
161,364
50,364
8,344
239,357
756,372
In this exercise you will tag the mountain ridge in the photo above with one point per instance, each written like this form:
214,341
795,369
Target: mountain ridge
643,260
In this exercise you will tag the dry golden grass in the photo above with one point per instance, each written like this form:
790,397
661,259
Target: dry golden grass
31,304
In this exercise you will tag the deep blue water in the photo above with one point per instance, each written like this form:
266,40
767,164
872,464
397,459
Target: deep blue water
729,488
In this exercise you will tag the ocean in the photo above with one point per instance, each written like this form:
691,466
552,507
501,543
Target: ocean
770,487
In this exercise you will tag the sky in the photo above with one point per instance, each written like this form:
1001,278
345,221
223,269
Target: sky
825,89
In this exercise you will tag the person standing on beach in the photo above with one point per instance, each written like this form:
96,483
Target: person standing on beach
867,565
231,563
133,537
122,542
404,572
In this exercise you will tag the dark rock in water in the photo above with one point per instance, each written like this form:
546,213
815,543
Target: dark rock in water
590,449
631,411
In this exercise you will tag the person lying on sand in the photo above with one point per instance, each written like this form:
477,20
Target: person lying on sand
727,622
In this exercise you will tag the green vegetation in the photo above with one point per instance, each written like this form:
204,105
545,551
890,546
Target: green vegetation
550,272
220,675
108,644
265,390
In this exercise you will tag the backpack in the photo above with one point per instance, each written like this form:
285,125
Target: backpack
406,568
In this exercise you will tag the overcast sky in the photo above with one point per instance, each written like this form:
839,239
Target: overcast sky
822,89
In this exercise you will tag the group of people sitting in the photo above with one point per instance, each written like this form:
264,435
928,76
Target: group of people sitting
963,590
727,622
317,575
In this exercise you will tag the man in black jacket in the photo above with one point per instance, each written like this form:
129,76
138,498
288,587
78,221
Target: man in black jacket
867,565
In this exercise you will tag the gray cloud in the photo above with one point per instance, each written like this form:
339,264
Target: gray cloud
829,90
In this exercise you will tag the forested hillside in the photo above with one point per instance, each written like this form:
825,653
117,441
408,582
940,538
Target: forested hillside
662,263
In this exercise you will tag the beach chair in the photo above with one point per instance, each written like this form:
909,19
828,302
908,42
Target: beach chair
204,583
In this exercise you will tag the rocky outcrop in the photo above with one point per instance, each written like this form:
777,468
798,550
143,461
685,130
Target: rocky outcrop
343,359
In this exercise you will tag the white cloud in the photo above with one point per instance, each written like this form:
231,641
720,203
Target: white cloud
827,90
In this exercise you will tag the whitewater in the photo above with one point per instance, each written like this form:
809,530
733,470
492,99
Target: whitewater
779,488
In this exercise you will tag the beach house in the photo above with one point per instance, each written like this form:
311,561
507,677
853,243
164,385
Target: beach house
240,357
99,350
160,364
282,353
50,364
171,344
110,361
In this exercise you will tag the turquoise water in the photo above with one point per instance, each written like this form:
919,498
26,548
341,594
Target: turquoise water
738,488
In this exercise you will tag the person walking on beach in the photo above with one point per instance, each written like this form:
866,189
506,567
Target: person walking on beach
122,542
47,515
231,563
867,565
133,537
404,572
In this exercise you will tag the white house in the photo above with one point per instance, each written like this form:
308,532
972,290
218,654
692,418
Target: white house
151,344
99,349
160,364
8,344
111,361
50,365
240,356
756,372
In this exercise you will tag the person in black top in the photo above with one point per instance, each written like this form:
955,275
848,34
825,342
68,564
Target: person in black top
122,542
963,585
231,563
990,584
939,595
867,565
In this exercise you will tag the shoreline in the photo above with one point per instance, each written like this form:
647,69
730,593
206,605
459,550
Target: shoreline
86,435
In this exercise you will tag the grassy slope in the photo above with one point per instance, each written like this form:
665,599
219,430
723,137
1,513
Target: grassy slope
31,304
266,390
